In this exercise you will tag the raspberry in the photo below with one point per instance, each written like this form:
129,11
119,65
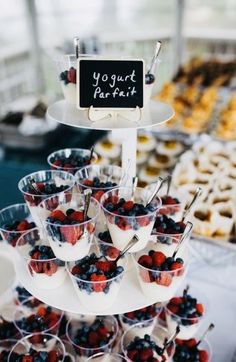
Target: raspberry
123,224
133,354
176,300
23,225
27,359
128,205
76,270
176,266
180,342
93,338
98,194
49,268
145,354
203,356
52,356
77,216
105,266
145,260
173,308
191,342
71,75
58,215
88,182
112,252
158,258
199,308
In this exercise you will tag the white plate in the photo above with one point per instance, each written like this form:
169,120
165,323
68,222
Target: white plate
7,273
64,297
65,113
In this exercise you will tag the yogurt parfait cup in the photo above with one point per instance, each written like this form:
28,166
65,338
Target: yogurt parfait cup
127,216
90,338
99,179
35,346
46,271
96,281
15,220
162,279
136,345
149,82
148,316
167,243
66,67
69,235
184,348
71,159
38,320
38,186
6,346
107,357
188,310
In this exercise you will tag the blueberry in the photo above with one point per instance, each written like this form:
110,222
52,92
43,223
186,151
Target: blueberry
179,260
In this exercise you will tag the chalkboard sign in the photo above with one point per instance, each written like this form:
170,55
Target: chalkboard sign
104,83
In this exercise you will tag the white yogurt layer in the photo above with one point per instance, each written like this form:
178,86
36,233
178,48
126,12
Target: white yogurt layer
97,301
186,332
147,93
44,281
147,328
38,215
69,92
121,238
68,252
160,292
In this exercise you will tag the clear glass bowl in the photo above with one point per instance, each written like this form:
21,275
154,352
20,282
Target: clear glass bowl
32,199
84,352
123,228
65,154
39,342
45,273
8,216
69,242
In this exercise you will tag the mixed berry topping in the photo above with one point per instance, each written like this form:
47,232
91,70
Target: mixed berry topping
149,78
166,225
72,232
169,200
41,253
73,161
142,314
109,251
22,294
45,318
98,270
68,76
96,183
161,266
7,329
37,356
188,351
93,336
145,349
42,188
11,233
187,308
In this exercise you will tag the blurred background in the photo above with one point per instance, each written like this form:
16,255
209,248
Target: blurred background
34,32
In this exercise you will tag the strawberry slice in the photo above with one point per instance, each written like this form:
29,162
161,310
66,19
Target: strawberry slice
98,194
199,308
98,287
143,221
70,234
88,182
173,308
71,75
164,278
23,225
77,216
49,268
112,252
203,356
176,300
52,356
191,342
27,359
145,260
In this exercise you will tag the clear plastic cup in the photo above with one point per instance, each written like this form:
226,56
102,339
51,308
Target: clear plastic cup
40,343
55,157
96,296
32,199
107,357
84,351
6,346
108,173
11,215
123,228
189,326
159,336
46,273
167,243
159,284
69,242
204,346
139,316
148,87
48,317
64,63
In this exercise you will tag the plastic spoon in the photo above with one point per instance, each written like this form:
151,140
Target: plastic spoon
87,194
77,46
189,206
134,185
157,51
158,186
131,243
34,187
211,326
186,233
170,340
91,154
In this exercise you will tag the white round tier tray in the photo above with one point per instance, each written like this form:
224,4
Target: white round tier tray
66,113
64,297
7,271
